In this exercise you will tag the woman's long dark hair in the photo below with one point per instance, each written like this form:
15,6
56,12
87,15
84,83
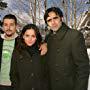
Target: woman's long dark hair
25,28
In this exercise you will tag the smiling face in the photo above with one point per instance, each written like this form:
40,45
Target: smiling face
54,21
29,37
9,27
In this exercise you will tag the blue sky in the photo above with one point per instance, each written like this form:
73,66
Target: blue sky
11,4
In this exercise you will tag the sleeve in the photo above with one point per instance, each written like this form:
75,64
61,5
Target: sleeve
81,61
14,77
47,36
45,73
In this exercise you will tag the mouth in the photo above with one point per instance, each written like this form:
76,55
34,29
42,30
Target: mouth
8,30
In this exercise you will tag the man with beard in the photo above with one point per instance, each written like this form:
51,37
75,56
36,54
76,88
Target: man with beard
7,43
67,58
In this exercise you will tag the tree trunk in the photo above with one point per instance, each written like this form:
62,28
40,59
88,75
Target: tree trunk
74,14
71,14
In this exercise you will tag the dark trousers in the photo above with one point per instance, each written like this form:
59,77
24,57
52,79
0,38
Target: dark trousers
5,87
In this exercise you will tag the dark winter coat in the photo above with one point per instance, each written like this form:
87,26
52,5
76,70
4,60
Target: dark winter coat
67,60
26,72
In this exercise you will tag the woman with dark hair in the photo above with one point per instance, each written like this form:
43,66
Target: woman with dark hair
26,72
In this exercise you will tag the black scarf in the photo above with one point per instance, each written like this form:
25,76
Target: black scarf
33,49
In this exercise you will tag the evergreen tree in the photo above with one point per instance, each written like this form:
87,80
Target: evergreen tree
3,5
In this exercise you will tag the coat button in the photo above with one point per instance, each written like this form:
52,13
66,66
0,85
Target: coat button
30,60
58,50
56,65
32,88
57,79
32,74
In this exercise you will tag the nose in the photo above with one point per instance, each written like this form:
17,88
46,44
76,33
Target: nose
8,27
30,37
53,21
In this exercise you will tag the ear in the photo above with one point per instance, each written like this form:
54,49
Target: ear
23,36
1,23
18,28
61,18
48,27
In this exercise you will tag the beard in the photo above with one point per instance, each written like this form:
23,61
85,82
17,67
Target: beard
8,33
54,29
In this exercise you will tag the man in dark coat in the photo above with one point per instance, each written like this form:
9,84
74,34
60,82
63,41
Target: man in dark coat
67,58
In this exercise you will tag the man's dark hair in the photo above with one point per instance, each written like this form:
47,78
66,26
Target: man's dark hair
53,9
10,16
0,23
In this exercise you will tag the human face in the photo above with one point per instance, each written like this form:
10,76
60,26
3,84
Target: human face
29,37
9,27
54,21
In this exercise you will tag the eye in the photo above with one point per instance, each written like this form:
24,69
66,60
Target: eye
12,24
55,18
27,35
49,20
5,24
33,36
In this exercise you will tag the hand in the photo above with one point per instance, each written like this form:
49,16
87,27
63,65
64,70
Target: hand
43,48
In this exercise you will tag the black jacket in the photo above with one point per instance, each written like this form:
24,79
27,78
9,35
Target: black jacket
26,72
67,60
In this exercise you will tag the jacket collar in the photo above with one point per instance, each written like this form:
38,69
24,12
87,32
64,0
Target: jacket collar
14,36
60,33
